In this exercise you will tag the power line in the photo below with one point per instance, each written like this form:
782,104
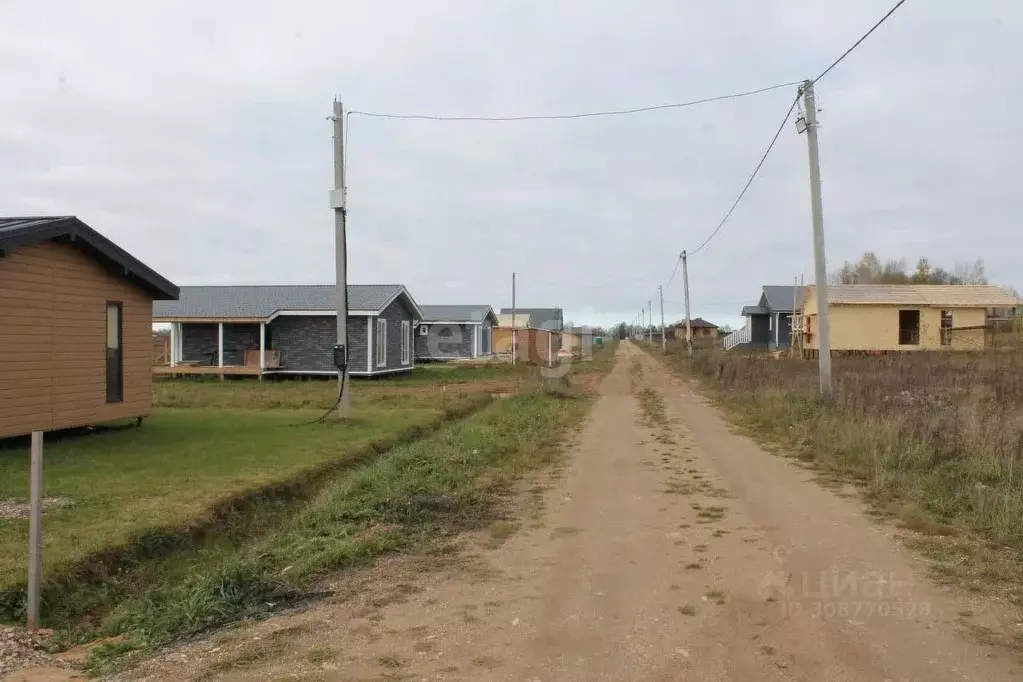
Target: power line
752,177
674,272
785,120
606,285
857,43
563,117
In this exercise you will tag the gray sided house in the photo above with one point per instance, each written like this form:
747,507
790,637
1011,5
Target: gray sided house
769,322
288,329
455,332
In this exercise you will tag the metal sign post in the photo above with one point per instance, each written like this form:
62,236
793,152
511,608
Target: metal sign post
35,530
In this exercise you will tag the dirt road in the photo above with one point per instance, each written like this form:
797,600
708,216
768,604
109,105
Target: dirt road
669,548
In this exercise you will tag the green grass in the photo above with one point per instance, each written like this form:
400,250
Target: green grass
312,395
412,496
220,467
137,489
458,372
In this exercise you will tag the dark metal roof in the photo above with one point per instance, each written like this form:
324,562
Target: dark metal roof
540,318
700,323
471,314
15,232
780,298
262,301
748,310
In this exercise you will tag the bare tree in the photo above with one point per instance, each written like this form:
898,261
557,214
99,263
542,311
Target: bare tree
869,270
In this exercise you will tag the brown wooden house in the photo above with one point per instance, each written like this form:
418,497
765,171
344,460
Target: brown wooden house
76,338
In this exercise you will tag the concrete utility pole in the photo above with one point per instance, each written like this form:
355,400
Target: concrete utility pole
642,323
689,322
515,329
819,260
338,201
35,530
664,339
792,318
650,327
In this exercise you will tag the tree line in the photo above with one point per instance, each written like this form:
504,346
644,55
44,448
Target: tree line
870,270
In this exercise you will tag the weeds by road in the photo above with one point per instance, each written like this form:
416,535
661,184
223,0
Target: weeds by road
213,511
416,494
936,439
140,493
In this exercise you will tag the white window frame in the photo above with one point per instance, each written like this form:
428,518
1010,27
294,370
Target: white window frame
381,342
406,342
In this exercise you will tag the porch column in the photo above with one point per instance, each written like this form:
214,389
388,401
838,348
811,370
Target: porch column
262,348
220,347
174,344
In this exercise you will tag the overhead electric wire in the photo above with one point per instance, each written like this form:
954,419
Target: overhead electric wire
752,177
781,127
857,43
563,117
674,272
760,164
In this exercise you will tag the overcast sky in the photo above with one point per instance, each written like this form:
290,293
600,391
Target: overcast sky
195,135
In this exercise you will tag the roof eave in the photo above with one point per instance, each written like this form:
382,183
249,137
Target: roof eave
75,230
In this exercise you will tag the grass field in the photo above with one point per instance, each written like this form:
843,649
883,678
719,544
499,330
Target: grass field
217,465
220,440
414,496
936,440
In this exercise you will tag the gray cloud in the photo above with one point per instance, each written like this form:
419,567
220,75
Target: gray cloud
195,135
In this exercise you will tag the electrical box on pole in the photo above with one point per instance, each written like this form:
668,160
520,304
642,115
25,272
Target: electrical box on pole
338,201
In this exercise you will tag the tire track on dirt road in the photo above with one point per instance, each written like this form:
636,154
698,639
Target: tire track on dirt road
830,595
668,549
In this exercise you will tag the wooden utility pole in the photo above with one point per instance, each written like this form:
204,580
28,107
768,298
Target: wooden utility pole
689,322
809,124
35,530
338,201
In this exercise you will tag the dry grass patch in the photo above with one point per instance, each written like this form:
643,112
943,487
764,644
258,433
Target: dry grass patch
932,439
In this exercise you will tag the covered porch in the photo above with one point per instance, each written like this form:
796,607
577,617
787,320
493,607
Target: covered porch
220,348
193,370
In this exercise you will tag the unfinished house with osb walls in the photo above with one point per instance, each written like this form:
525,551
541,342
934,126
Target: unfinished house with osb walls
903,317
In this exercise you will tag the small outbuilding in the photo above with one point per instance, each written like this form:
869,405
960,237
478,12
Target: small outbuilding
76,338
455,332
904,317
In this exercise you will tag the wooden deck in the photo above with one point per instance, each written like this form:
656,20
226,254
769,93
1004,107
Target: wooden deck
212,370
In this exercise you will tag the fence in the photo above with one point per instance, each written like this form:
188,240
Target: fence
739,336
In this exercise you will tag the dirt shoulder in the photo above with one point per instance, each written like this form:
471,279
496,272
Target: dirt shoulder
668,548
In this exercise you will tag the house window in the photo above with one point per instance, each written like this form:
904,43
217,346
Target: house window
381,340
424,330
406,341
946,327
115,353
909,327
